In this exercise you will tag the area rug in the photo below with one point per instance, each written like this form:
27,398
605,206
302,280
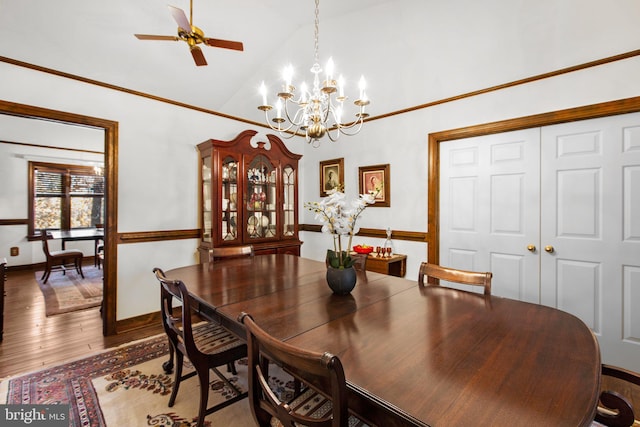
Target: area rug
127,386
68,292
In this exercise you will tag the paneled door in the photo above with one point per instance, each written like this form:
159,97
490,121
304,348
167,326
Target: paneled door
591,228
490,209
586,253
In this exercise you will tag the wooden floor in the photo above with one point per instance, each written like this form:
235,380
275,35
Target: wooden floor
32,341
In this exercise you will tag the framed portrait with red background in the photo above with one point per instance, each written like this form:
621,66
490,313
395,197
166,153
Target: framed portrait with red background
375,180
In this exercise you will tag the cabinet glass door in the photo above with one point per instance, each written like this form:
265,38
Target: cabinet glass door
206,199
289,184
229,199
260,198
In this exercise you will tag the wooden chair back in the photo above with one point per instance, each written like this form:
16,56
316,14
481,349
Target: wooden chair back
44,235
360,261
230,252
59,259
178,329
323,370
435,273
615,408
98,249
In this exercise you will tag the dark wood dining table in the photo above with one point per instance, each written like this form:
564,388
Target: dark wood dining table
415,356
77,235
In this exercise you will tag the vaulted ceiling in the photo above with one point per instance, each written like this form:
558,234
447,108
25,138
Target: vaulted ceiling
410,51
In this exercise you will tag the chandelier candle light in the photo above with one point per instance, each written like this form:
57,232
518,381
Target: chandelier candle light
317,111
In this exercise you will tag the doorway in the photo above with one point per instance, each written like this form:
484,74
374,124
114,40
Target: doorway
110,129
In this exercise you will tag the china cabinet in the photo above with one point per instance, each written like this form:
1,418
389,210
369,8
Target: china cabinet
248,195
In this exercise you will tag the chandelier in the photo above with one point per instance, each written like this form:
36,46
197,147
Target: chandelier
317,111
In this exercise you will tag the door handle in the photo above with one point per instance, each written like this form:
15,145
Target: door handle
531,248
549,249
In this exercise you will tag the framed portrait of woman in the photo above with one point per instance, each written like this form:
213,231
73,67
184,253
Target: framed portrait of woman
375,180
331,176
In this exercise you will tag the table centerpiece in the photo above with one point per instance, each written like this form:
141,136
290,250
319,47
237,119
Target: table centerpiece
339,219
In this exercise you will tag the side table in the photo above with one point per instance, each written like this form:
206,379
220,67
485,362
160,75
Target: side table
396,265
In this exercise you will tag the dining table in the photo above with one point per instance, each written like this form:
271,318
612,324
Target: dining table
77,234
412,355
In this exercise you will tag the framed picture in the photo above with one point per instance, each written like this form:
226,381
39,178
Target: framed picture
375,180
331,175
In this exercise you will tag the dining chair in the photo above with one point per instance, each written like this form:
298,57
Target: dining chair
59,260
207,345
360,261
433,271
99,255
98,249
221,252
615,408
322,400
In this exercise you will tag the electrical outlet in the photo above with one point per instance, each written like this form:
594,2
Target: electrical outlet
15,251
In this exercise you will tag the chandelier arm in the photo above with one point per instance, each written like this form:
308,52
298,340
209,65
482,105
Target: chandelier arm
328,109
359,123
334,109
288,134
278,129
349,125
293,121
331,137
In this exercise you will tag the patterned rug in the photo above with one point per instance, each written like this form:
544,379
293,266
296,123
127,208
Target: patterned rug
127,386
70,292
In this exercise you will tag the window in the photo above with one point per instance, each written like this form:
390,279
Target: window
64,197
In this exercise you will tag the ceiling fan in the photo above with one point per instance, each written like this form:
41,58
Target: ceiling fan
192,35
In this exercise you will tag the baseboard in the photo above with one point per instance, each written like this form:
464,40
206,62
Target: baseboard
88,260
146,320
138,322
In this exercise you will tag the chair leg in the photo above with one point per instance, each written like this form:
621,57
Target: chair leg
204,396
176,381
231,367
47,273
168,365
79,266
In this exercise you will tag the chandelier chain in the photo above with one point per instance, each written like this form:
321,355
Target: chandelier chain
316,31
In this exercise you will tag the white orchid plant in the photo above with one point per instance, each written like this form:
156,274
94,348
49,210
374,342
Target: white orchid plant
339,220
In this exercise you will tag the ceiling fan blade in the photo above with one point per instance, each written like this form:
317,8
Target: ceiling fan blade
198,56
153,37
226,44
180,17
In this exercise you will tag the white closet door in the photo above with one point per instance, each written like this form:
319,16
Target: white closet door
591,218
574,188
489,209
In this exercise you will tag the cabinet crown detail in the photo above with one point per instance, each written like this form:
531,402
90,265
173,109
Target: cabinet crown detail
248,194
